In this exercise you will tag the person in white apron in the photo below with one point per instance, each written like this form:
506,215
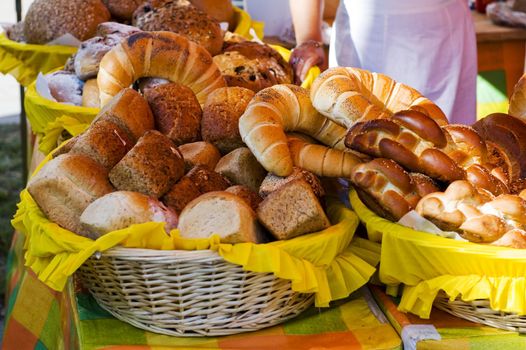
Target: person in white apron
427,44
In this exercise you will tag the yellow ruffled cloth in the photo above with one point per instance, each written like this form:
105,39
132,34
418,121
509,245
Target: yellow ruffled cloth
426,264
25,61
324,263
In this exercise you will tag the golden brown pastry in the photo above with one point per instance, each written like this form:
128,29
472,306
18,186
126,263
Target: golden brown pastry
221,112
47,20
90,94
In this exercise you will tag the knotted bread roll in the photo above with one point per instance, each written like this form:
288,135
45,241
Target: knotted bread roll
158,54
348,95
278,109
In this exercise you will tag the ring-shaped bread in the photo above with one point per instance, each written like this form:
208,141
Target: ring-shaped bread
162,55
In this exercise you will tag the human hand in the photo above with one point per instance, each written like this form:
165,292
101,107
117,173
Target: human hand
303,57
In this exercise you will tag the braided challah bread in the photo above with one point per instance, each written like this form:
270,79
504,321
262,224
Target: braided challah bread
518,99
278,109
349,95
158,54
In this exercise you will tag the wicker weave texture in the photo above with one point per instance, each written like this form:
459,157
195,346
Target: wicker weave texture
188,293
479,311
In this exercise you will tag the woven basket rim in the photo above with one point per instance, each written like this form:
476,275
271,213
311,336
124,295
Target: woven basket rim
142,253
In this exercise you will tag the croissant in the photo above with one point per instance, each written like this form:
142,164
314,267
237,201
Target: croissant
349,95
518,99
278,109
158,54
322,160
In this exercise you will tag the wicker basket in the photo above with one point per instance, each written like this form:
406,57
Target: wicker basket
188,293
479,311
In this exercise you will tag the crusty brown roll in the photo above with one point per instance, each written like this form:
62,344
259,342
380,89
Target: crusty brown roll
176,111
250,197
220,213
65,87
181,17
221,112
273,182
517,106
292,210
182,193
241,168
208,180
278,109
130,111
219,10
252,65
122,9
47,20
322,160
120,209
66,185
199,153
349,95
388,184
158,54
151,167
105,142
90,94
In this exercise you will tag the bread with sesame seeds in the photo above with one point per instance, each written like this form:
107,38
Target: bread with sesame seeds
47,20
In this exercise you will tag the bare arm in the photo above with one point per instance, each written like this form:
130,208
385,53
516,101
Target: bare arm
307,20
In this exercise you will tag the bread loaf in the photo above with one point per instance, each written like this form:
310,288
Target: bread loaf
158,54
207,180
292,210
241,168
273,182
390,190
90,94
176,111
512,239
118,210
129,110
151,167
221,113
65,87
122,9
181,17
517,106
250,197
105,142
199,153
275,110
47,20
182,193
350,95
219,10
220,213
65,186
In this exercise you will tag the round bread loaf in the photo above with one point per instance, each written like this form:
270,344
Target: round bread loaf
122,9
47,20
219,10
221,112
176,111
199,153
182,18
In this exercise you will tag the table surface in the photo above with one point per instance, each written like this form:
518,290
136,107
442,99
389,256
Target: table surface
487,31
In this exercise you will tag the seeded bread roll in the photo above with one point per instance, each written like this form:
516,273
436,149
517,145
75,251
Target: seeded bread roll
182,193
122,9
47,20
181,17
220,213
199,153
246,194
118,210
151,167
65,186
105,142
207,180
273,182
242,168
176,111
219,10
292,210
221,113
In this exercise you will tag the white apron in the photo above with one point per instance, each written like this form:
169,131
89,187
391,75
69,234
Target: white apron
427,44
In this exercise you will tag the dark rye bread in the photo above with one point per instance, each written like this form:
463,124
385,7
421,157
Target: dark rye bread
105,142
151,167
176,110
273,182
242,168
182,193
292,210
250,197
221,112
